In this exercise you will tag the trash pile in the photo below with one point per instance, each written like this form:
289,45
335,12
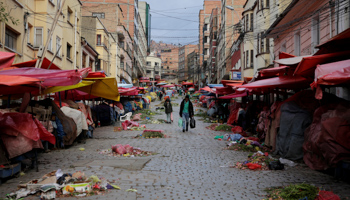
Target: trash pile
149,134
300,191
141,128
120,150
212,127
129,124
256,161
57,184
224,127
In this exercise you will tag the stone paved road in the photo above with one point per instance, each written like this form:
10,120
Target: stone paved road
189,166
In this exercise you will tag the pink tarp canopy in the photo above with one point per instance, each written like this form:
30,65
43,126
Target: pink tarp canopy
6,59
144,81
128,91
50,77
231,82
17,80
289,82
206,88
308,65
100,74
45,64
234,95
168,86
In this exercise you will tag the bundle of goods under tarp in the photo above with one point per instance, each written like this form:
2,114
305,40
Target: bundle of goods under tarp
21,132
327,140
103,113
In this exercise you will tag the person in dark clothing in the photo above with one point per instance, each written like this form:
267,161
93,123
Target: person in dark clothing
168,110
186,111
160,95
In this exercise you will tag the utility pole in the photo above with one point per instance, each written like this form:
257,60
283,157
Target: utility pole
53,26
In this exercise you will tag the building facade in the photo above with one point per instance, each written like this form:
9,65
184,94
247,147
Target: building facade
125,54
183,64
170,64
30,32
192,65
229,31
204,20
145,14
213,34
154,66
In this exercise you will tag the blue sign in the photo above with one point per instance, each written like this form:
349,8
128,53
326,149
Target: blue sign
236,76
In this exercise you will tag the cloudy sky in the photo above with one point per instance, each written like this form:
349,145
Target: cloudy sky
175,21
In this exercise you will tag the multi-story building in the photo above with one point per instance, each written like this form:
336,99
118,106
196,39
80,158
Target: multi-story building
144,9
183,65
204,16
105,44
153,70
231,11
192,65
305,24
89,55
256,50
30,32
132,23
125,54
170,64
214,22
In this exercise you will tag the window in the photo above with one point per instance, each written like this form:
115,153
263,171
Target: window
247,58
148,63
58,4
29,30
11,39
297,44
284,47
262,4
244,60
167,67
262,43
246,22
267,45
84,60
267,3
69,15
148,71
98,40
100,15
251,58
343,19
315,31
69,51
156,64
38,36
58,46
251,21
49,46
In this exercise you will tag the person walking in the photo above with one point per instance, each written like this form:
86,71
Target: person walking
160,95
168,110
186,111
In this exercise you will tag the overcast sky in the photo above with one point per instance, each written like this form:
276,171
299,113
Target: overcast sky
164,16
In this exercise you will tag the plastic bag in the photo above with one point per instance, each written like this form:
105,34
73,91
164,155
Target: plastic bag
125,126
119,149
180,123
253,166
129,149
287,162
327,195
136,117
193,123
276,165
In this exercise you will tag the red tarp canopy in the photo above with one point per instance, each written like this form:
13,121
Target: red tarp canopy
17,80
144,81
234,84
308,65
226,82
96,75
224,90
340,42
50,77
75,95
6,59
288,82
284,55
235,95
187,83
270,72
17,84
45,64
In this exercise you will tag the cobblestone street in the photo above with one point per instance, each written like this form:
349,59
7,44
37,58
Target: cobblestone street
190,165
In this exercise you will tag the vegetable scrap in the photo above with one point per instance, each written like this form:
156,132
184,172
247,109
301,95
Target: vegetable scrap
149,134
57,184
156,121
212,127
299,191
256,161
125,151
223,127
